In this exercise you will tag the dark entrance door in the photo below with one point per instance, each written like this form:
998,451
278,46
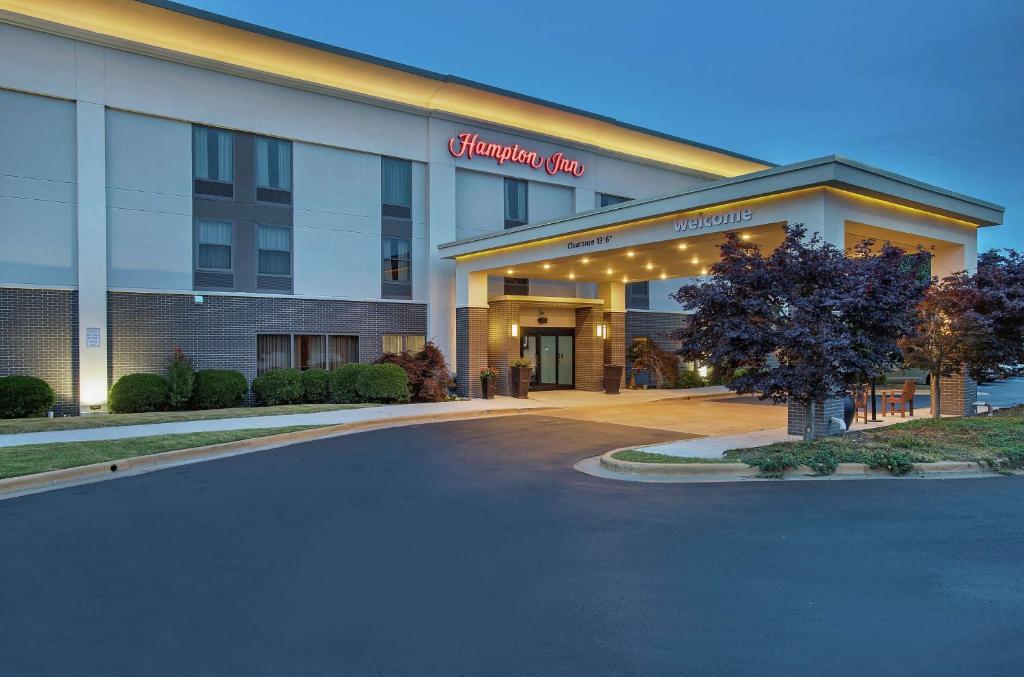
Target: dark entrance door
553,354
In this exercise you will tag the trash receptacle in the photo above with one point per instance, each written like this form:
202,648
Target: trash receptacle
612,378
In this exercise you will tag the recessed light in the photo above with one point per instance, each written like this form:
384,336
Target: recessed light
694,260
584,260
745,236
625,279
509,271
650,266
609,271
630,254
572,276
663,276
682,245
547,266
703,271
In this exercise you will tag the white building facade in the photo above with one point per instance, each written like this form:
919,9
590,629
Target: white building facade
173,179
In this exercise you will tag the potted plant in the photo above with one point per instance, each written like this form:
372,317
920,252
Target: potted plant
488,382
521,372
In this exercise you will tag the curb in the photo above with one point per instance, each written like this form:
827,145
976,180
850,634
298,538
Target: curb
56,479
743,471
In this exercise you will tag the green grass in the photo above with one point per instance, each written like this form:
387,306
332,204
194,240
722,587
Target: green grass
35,458
637,456
34,425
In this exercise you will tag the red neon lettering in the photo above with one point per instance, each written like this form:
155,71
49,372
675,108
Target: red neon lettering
469,145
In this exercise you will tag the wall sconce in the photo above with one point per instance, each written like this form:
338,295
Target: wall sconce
601,331
515,329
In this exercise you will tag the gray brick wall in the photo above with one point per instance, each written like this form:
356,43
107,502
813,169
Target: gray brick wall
823,414
471,346
655,326
220,333
39,337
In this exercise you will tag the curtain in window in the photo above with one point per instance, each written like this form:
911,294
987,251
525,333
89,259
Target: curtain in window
200,153
396,182
414,343
309,351
211,154
515,200
273,164
392,343
275,246
396,259
273,351
342,349
214,249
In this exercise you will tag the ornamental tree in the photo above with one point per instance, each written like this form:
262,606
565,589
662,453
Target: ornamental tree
803,321
999,283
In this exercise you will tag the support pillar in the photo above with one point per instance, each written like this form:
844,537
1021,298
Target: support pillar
824,412
471,328
589,349
502,347
959,393
615,342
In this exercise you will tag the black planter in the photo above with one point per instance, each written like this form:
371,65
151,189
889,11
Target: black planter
612,378
488,386
520,378
849,410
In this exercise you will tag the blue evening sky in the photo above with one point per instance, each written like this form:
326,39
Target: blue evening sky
931,89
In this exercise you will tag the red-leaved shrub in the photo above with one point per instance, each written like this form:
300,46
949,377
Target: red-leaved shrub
428,373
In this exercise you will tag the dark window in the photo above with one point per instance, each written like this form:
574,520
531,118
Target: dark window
515,202
396,187
309,352
396,253
213,245
607,200
638,295
273,351
304,351
401,343
275,250
517,286
342,349
212,162
273,170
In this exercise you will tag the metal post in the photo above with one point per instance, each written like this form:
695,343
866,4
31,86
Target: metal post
874,412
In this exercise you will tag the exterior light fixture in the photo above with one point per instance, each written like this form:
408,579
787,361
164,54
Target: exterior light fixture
694,260
601,331
630,254
703,271
584,260
509,271
650,266
572,276
625,279
515,329
547,266
682,245
745,236
609,271
663,276
702,371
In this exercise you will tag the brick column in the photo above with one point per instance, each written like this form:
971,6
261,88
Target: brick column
959,393
589,350
823,414
471,349
615,343
502,347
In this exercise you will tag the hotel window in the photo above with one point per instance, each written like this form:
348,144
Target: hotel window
273,170
213,255
396,228
274,258
396,187
396,254
515,202
607,199
517,286
212,169
401,343
638,295
304,351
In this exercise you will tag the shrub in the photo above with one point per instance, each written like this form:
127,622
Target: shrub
521,362
24,396
427,372
662,365
181,379
218,389
823,462
315,385
278,386
690,379
387,383
896,462
135,393
342,382
774,465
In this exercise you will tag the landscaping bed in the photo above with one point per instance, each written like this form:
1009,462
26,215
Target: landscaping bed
29,459
995,442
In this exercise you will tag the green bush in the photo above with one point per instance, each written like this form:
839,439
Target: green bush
342,382
181,379
315,385
24,396
690,379
386,383
896,462
139,392
823,462
774,465
218,389
278,386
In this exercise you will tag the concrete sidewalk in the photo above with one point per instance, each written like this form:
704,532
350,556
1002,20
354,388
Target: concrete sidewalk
323,418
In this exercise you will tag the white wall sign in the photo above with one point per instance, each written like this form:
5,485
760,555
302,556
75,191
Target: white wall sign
92,337
723,218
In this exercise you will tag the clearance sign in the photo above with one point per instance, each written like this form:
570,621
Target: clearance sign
470,145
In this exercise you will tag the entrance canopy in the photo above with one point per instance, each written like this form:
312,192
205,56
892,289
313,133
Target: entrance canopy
677,235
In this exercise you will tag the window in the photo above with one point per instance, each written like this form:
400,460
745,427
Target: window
400,343
607,199
515,202
275,250
304,351
213,249
517,286
396,253
212,162
273,170
396,187
638,295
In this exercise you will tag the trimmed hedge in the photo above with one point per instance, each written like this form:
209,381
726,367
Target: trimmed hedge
278,386
315,385
134,393
218,389
342,382
24,397
385,383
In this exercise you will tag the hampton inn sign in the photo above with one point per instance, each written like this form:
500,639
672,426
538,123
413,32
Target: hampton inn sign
470,145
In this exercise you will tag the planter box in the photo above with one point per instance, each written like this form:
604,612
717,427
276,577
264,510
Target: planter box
488,386
612,378
520,378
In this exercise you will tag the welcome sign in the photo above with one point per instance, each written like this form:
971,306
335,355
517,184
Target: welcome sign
708,221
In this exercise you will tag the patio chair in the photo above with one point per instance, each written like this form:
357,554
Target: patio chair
900,400
861,396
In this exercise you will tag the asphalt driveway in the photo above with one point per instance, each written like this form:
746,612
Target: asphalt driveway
473,548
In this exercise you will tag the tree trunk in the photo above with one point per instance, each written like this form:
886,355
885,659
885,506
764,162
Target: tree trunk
936,397
809,421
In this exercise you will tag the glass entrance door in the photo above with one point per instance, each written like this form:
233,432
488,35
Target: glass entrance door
552,352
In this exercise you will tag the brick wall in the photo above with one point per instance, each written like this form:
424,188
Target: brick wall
589,350
655,326
470,349
220,333
502,347
823,414
615,343
39,337
959,393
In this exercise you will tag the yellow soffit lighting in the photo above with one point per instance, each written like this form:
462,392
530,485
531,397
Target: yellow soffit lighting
154,27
